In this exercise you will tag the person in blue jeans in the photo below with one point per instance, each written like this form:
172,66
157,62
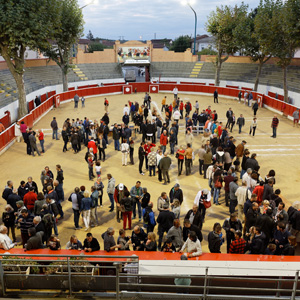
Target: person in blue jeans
110,191
240,122
217,184
54,127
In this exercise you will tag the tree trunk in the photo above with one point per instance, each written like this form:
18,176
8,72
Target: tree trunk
285,86
23,109
16,68
65,78
261,62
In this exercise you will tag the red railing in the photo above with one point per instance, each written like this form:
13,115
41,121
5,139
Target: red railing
8,135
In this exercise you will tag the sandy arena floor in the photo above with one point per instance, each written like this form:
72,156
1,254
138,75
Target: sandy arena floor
281,154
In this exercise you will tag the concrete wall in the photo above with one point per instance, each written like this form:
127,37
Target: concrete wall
159,55
105,56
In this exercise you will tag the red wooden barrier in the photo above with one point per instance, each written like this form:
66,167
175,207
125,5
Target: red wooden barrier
71,88
232,86
6,121
246,89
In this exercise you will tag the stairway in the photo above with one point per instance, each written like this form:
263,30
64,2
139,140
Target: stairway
79,73
196,70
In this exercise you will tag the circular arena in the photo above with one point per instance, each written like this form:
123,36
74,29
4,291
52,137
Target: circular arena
113,267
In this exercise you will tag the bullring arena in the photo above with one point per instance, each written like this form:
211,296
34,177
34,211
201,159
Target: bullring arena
280,154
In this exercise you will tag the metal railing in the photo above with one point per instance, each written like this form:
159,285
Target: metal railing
207,286
68,274
120,277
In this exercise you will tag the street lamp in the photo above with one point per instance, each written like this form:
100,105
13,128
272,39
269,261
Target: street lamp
195,36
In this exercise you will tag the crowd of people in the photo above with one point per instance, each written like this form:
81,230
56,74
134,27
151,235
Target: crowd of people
258,222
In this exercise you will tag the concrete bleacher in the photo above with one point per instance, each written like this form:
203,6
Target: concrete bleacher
36,78
101,71
171,69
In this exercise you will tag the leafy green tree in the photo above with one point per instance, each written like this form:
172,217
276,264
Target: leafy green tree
66,35
90,36
95,47
249,44
282,37
25,24
181,44
221,24
207,51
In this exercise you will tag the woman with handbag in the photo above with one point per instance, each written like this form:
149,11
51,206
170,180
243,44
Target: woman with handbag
202,200
180,158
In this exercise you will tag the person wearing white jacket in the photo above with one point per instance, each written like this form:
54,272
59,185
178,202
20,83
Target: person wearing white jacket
242,194
125,151
192,246
202,196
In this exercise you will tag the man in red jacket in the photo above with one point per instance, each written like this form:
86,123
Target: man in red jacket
181,109
29,199
92,144
163,141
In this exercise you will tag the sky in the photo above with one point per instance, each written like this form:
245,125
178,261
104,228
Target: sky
142,19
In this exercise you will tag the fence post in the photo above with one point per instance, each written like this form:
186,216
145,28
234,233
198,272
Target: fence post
117,280
69,275
205,284
295,286
2,279
278,287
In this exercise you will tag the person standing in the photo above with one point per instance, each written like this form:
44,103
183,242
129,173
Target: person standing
141,157
75,198
82,102
253,126
128,203
110,191
180,158
32,140
255,107
125,151
41,139
163,103
165,222
152,161
240,122
164,165
242,194
229,114
188,160
296,117
76,100
163,141
54,127
274,126
175,92
216,95
116,137
106,104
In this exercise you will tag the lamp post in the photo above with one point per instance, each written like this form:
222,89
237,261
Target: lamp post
195,36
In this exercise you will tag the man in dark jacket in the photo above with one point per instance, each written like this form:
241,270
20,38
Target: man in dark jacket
231,225
258,244
138,238
13,199
165,222
188,227
252,163
8,190
54,127
35,239
268,189
266,224
176,193
251,216
116,137
194,216
90,244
